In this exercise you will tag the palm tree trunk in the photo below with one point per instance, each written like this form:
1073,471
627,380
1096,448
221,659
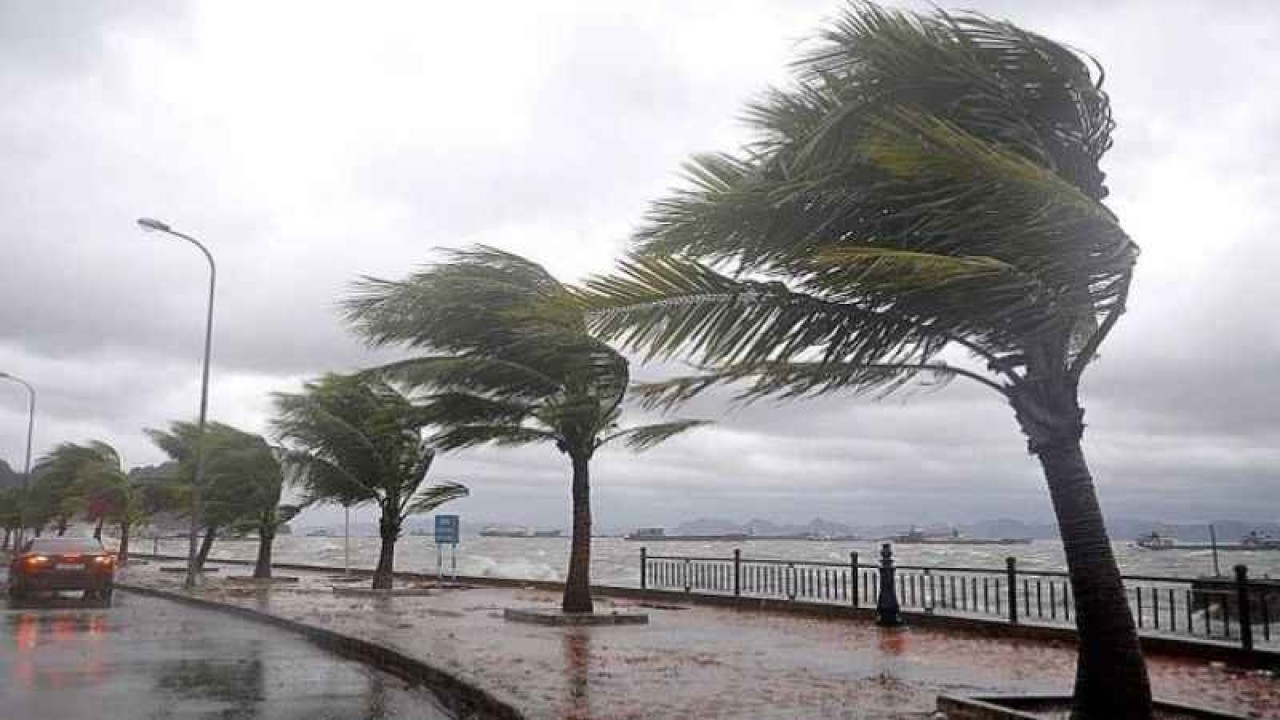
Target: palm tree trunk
97,529
123,554
577,587
62,526
5,546
383,573
1111,675
266,536
206,544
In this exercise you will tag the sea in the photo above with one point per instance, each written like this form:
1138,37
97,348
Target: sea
616,561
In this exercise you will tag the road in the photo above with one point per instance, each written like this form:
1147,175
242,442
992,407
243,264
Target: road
147,659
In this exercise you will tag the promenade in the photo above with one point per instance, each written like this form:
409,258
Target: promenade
695,661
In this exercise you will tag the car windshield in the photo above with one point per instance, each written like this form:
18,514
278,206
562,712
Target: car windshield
65,545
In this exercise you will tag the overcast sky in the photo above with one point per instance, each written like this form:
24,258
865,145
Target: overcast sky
311,142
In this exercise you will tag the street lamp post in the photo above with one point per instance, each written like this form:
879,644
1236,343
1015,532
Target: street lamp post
26,471
197,503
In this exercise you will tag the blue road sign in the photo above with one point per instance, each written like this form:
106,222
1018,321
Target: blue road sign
447,529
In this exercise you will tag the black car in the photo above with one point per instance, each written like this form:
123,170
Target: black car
57,564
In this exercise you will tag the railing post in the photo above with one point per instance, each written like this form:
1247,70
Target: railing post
1011,571
887,607
737,572
1246,615
853,577
644,568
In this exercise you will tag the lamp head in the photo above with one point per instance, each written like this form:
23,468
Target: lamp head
153,225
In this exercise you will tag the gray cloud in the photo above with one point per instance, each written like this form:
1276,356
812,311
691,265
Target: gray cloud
307,153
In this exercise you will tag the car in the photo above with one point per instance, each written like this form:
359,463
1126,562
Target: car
57,564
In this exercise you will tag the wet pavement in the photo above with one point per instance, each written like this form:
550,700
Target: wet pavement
147,659
706,662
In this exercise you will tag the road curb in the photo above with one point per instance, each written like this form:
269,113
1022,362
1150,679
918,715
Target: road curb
461,698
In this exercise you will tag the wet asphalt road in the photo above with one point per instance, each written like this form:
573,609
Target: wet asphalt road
147,658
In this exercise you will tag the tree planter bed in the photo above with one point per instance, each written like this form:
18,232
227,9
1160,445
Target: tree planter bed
559,618
1053,707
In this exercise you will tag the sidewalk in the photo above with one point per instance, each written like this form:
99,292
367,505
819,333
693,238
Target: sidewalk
702,662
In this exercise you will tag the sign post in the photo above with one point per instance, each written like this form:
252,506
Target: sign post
448,528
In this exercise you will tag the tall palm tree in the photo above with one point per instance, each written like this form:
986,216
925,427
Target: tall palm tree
355,440
924,201
511,364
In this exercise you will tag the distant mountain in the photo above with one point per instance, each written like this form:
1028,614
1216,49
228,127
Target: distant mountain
1120,528
761,528
9,478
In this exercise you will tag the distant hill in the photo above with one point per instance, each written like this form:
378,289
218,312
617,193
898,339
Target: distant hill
1121,528
9,478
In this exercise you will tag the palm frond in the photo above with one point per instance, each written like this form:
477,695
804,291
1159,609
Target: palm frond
665,306
642,438
457,437
434,496
792,380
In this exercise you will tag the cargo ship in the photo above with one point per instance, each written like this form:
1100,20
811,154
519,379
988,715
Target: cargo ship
657,534
517,532
916,537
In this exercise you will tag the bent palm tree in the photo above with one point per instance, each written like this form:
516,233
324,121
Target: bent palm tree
57,494
927,190
232,477
355,440
513,365
253,467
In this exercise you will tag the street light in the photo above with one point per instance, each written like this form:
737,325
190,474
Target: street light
197,503
26,472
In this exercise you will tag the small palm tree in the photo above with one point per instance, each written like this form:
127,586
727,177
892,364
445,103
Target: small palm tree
233,476
70,481
513,365
927,191
355,440
254,468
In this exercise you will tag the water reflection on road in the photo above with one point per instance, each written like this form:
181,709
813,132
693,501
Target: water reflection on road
147,658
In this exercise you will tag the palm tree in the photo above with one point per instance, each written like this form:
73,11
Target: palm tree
924,202
99,485
512,364
354,440
254,467
66,482
233,475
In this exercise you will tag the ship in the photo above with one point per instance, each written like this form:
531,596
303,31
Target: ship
658,534
1259,541
916,537
320,532
1155,541
504,531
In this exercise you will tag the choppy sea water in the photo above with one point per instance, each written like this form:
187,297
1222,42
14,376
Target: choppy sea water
615,561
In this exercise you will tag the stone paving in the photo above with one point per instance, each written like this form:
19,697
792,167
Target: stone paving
702,662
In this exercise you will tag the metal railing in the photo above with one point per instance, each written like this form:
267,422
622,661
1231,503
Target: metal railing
1235,609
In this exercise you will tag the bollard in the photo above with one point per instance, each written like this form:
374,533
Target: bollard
1246,613
644,567
887,607
853,576
1011,570
737,572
